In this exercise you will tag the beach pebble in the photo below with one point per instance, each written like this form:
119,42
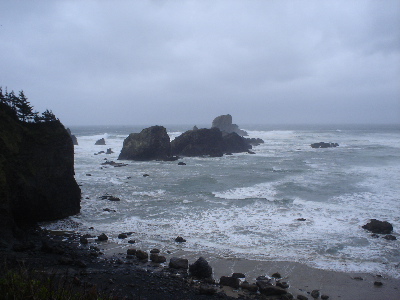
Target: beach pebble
324,297
390,237
131,251
276,275
301,297
230,281
142,255
159,259
270,290
122,236
238,275
282,284
131,241
178,263
315,294
250,287
200,268
207,290
155,250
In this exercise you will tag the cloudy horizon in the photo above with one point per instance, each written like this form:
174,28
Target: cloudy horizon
186,62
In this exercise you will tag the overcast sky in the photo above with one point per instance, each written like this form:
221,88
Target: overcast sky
186,62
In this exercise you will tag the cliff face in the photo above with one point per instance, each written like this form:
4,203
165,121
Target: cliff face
36,173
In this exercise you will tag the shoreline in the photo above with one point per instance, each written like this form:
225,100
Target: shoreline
109,269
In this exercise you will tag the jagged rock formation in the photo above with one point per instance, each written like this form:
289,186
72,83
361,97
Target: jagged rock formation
224,123
73,137
151,143
101,141
36,173
208,142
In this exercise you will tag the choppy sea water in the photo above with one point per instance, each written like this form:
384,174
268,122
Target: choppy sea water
248,206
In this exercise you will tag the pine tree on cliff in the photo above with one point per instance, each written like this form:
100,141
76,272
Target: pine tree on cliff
2,97
24,109
48,116
12,100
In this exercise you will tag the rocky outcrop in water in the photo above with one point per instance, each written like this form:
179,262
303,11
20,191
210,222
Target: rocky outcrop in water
73,137
376,226
101,141
324,145
36,173
151,143
224,123
208,142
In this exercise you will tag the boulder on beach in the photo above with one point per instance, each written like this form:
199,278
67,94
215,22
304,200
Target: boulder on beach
152,143
200,269
224,123
178,263
101,141
229,281
377,226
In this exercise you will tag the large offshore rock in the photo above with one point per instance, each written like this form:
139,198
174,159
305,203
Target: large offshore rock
73,137
36,173
151,143
224,123
200,142
234,143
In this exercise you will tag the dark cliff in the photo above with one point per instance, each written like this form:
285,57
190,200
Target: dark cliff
36,173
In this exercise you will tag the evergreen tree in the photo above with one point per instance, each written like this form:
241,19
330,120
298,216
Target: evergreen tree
12,100
24,109
2,97
48,116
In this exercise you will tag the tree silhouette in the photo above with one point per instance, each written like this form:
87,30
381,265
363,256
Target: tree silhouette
24,109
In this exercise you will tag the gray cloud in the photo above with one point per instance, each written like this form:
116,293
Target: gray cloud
148,62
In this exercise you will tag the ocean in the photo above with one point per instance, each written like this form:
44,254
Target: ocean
287,202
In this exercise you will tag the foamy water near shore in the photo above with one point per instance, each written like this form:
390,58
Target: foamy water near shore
247,207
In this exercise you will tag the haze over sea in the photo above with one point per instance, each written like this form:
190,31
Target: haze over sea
249,205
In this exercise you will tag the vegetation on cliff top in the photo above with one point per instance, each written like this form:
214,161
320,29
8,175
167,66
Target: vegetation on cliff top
22,109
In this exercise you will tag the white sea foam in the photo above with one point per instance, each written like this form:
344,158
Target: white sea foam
264,191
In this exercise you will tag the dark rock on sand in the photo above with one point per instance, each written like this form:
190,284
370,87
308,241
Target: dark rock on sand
181,163
101,141
315,294
377,226
301,297
200,269
276,275
230,281
324,145
207,290
282,284
142,255
324,297
378,283
131,251
269,290
155,251
156,258
151,143
122,236
238,275
178,263
250,287
83,240
224,123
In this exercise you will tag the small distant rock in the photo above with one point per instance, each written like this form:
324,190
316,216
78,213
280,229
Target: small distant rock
181,163
146,175
83,240
250,287
390,237
122,236
200,269
109,210
180,239
101,141
131,251
269,290
88,174
324,297
376,226
109,151
324,145
102,237
301,297
301,219
155,251
178,263
131,241
282,284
